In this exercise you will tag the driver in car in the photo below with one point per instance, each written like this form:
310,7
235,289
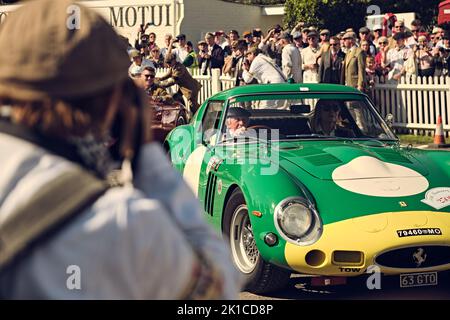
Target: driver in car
236,122
156,92
326,120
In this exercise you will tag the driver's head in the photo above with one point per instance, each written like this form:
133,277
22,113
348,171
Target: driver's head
237,118
148,77
326,112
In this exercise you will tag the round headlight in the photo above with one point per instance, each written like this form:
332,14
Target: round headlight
295,219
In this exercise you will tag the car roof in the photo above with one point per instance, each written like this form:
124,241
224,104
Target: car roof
283,88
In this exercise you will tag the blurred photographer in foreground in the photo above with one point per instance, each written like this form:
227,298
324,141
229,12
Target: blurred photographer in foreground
66,232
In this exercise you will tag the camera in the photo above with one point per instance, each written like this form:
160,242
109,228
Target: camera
277,29
257,33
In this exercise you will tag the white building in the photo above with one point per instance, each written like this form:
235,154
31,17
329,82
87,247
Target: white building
191,17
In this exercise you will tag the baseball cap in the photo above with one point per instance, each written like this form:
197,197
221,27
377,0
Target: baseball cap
325,31
72,66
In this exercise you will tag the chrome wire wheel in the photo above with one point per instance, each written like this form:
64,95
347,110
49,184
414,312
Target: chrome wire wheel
242,241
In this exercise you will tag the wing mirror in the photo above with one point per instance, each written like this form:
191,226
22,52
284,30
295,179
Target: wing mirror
389,119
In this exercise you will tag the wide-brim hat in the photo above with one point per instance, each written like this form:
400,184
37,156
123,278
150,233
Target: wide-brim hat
46,54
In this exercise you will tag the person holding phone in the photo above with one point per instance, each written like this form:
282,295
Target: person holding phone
84,237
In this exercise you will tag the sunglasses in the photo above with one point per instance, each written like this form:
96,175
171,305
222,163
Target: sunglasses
399,26
151,76
365,33
377,30
334,44
385,42
415,30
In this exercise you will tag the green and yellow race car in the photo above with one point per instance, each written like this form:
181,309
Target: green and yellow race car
310,179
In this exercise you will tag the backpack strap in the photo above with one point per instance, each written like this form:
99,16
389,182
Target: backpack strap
276,67
47,210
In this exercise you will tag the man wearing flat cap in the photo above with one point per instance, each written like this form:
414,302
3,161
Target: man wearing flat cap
67,230
138,64
310,57
179,75
291,59
261,68
365,35
395,58
324,40
236,122
354,69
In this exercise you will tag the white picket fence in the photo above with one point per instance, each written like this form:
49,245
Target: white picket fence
415,102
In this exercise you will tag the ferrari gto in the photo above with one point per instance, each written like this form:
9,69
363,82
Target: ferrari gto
315,182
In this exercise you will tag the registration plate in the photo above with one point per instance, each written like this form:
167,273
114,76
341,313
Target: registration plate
418,279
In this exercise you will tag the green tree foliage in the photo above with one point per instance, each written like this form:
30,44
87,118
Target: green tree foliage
258,2
338,15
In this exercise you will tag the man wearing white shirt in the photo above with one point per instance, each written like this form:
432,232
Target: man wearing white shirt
396,58
291,59
261,68
138,64
181,52
310,56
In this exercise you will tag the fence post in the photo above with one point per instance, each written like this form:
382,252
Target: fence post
215,81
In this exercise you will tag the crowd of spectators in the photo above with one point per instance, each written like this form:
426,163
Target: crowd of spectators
305,54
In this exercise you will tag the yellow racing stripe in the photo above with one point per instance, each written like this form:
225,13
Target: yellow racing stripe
371,235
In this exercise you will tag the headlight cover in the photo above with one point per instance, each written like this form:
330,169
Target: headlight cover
297,221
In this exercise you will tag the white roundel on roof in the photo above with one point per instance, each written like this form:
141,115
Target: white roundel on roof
373,177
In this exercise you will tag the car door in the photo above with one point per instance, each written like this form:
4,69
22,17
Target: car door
196,167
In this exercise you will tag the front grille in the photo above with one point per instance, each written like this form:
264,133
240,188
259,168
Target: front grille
415,257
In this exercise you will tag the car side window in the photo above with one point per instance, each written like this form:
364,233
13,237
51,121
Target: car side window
211,121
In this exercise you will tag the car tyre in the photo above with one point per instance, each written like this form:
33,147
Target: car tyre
260,276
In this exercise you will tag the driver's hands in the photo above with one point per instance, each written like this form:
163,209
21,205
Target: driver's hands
240,131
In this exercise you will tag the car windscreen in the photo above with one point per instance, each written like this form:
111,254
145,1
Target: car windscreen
310,116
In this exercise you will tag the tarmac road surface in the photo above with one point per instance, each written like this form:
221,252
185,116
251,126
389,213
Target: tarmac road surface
299,289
